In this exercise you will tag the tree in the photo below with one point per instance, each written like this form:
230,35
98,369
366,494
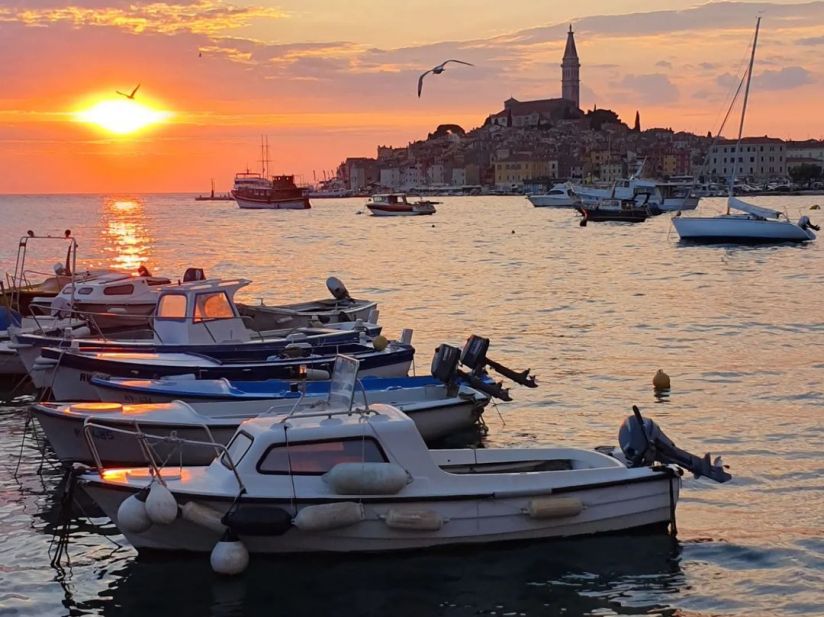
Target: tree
805,173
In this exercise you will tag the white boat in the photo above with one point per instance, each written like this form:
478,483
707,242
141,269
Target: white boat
365,481
115,301
663,196
341,308
559,196
438,410
752,223
396,204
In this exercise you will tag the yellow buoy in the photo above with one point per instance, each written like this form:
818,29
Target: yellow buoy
380,342
661,381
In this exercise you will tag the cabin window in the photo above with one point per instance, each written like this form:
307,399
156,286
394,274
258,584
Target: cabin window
84,291
213,306
172,306
318,457
236,450
118,290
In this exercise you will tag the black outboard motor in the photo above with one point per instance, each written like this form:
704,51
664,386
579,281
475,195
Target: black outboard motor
194,274
474,357
643,443
445,368
337,288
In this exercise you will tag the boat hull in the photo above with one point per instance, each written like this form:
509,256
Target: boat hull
303,316
401,210
643,502
739,229
10,362
296,203
69,377
550,201
434,420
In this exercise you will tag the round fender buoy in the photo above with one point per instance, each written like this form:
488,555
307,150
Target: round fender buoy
161,505
661,381
329,516
131,515
380,342
229,556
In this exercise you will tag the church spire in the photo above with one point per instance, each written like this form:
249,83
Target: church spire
570,77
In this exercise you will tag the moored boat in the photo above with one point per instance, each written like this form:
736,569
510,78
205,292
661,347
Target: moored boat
397,204
559,196
365,481
277,193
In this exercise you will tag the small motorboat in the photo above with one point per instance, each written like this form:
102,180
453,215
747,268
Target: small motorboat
365,481
341,308
613,210
559,196
439,408
396,204
199,315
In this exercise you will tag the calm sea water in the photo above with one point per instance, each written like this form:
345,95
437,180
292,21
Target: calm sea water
593,311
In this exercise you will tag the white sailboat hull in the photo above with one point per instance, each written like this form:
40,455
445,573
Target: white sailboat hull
739,228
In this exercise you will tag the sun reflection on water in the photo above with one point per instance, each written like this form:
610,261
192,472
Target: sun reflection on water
128,242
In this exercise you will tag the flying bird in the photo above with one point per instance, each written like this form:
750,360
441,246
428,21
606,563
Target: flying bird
129,96
437,71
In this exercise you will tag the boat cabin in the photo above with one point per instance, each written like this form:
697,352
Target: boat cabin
388,199
200,312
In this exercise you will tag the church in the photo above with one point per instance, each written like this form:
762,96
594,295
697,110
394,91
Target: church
548,111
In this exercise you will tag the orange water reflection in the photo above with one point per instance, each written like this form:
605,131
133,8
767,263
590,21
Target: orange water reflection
127,240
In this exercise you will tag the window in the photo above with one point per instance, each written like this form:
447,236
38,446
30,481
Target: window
118,290
236,450
172,306
84,291
216,305
316,458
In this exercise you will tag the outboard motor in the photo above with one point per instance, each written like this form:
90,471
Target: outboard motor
643,443
445,368
337,288
474,357
194,274
804,222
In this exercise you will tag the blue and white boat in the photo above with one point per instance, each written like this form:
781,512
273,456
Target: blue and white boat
438,409
200,316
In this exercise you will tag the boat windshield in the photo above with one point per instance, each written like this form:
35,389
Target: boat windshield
171,306
214,305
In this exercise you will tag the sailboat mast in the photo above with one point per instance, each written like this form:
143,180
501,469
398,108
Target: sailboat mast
744,109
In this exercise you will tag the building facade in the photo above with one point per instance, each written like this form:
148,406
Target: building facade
761,158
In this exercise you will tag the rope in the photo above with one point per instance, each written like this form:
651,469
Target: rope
673,526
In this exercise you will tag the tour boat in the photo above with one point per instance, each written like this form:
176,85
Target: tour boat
396,204
752,224
559,196
365,481
279,193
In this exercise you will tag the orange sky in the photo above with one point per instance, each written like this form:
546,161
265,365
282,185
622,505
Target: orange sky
325,80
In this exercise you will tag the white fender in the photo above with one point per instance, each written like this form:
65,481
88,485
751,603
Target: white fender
329,516
161,505
554,507
202,516
229,556
366,478
132,516
415,520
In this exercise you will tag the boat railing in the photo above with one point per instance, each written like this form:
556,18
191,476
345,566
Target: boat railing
145,441
69,312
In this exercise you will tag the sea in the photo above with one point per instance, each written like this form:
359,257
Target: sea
593,311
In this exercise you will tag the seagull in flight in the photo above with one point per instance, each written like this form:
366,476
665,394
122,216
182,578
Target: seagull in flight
129,96
437,71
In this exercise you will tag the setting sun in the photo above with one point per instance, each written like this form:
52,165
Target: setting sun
121,116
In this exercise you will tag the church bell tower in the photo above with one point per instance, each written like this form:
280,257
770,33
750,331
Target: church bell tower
570,67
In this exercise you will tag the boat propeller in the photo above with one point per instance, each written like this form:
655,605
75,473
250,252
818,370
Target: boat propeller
643,443
474,357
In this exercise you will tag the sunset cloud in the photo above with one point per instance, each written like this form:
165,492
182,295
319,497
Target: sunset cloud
211,17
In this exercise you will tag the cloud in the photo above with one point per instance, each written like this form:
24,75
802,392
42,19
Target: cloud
664,64
727,81
653,88
815,40
199,16
708,66
784,79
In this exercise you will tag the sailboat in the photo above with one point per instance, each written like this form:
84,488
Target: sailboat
749,223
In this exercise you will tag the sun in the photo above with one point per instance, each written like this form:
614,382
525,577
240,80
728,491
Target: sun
121,116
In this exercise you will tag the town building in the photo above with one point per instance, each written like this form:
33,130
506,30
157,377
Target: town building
759,158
